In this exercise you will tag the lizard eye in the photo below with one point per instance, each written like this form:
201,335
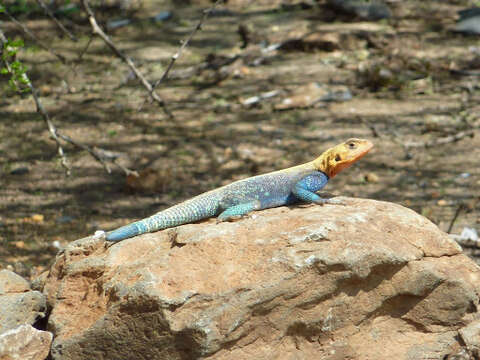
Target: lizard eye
338,158
351,145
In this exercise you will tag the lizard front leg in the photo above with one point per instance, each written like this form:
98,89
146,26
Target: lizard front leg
305,190
311,197
239,210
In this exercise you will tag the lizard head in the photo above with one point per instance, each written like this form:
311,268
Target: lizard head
341,156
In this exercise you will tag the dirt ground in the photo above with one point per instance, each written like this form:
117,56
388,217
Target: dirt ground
406,76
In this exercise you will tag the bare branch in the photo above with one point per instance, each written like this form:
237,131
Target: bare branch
97,30
457,212
102,156
51,128
55,20
86,48
40,109
174,57
40,43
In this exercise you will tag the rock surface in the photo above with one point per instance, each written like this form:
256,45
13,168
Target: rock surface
12,283
18,303
25,343
371,280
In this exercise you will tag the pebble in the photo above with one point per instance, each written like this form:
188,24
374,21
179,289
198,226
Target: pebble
442,202
372,178
20,171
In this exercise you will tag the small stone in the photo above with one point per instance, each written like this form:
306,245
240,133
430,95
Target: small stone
37,218
45,90
442,202
372,177
19,244
20,171
435,194
64,219
57,245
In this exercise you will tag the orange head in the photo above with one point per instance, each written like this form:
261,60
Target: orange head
341,156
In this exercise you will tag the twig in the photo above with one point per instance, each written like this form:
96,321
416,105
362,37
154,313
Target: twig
34,38
175,56
98,31
54,133
80,56
92,152
101,155
51,128
40,109
457,212
55,20
441,141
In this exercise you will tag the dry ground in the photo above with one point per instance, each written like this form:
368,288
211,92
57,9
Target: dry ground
399,72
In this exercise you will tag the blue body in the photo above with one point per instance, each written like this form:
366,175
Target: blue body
278,188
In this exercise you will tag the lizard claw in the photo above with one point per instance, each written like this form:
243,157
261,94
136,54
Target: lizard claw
229,218
330,202
336,202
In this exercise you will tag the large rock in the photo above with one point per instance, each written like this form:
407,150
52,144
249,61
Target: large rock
25,343
370,280
18,303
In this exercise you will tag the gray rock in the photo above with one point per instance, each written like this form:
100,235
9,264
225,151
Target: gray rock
12,283
21,308
471,336
469,22
25,343
18,303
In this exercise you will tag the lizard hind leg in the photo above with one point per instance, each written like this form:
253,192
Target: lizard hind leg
239,210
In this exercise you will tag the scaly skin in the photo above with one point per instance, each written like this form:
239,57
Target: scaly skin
283,187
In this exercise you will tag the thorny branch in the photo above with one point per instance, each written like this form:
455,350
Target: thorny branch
34,38
51,128
55,20
98,31
174,57
100,155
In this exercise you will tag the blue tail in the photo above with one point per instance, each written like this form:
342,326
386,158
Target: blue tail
125,232
200,207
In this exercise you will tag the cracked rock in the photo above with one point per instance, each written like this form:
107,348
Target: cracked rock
370,280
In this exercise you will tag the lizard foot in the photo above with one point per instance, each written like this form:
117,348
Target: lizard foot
229,218
330,202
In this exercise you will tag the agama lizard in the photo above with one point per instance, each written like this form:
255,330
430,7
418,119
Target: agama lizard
283,187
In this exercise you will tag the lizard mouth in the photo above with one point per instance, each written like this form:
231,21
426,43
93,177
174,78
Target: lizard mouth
353,157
